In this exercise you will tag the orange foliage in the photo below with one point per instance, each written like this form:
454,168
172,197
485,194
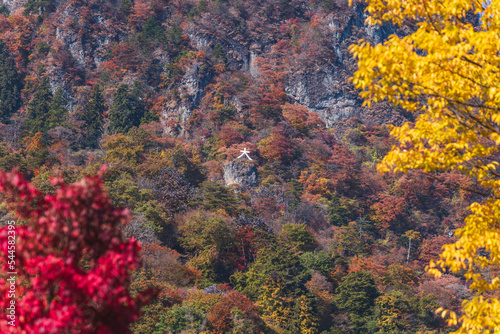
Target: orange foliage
277,147
247,243
201,56
61,149
266,207
125,57
431,248
271,84
160,102
375,265
316,186
220,316
140,13
447,290
389,211
34,143
18,37
272,69
214,170
165,265
342,167
301,118
320,287
220,68
228,136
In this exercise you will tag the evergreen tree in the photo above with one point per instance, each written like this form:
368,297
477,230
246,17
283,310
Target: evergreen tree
298,237
275,260
219,53
127,109
38,108
4,10
57,111
153,30
277,281
356,296
137,96
150,116
356,293
10,84
38,7
45,111
215,196
337,214
93,117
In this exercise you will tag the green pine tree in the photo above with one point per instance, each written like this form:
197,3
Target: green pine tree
150,116
274,260
277,281
127,109
219,53
356,296
137,96
10,84
4,10
216,196
356,293
45,111
38,109
298,237
57,111
153,30
337,214
38,7
93,117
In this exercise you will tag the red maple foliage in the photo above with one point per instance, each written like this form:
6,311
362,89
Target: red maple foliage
73,266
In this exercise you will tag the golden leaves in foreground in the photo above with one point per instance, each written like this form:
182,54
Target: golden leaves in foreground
448,73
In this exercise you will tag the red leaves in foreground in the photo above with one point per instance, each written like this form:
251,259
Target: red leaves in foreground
73,267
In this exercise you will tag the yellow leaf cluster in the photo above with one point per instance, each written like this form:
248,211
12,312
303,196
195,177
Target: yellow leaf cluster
448,73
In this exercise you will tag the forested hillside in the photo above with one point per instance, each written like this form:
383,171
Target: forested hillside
307,237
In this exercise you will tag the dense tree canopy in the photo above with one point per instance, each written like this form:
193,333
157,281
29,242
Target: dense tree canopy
166,94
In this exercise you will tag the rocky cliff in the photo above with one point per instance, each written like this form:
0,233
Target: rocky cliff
240,172
179,50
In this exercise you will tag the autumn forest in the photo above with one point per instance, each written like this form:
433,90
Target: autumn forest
185,166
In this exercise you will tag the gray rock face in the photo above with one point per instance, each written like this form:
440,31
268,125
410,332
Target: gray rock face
191,91
13,5
241,172
321,87
87,53
325,90
322,92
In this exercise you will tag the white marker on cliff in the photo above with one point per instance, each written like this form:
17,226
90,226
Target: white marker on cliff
244,153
